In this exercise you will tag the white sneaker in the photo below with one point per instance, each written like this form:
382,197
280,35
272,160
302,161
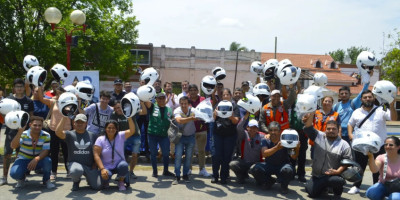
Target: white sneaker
189,172
354,190
203,172
20,184
3,181
50,185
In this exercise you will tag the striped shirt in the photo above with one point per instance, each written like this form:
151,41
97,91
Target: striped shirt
30,149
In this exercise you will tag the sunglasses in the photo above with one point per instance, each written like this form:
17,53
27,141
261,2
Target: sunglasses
389,145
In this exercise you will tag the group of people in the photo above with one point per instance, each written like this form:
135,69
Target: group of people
98,141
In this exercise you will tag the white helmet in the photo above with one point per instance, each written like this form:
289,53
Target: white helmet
320,79
130,104
366,141
289,138
85,90
224,109
71,88
306,103
314,90
204,111
256,68
366,62
283,63
384,90
269,68
208,84
30,61
146,93
36,76
149,75
219,73
59,72
9,105
261,89
288,74
67,104
251,103
16,119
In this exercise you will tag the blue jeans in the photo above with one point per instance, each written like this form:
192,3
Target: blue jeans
186,142
20,167
164,145
378,191
121,170
224,146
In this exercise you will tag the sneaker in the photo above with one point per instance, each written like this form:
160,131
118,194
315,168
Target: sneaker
168,173
302,179
155,174
20,184
53,176
189,172
121,186
203,172
3,181
354,190
50,185
186,178
214,180
75,186
132,175
176,181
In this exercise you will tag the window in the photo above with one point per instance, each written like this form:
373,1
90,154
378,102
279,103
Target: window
333,65
318,64
142,56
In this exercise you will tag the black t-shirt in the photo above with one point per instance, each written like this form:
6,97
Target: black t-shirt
279,158
26,105
224,126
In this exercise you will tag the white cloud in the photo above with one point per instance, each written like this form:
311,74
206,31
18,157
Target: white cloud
229,22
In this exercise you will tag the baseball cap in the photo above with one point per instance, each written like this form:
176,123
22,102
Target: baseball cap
252,123
117,81
81,117
161,94
54,82
275,92
245,83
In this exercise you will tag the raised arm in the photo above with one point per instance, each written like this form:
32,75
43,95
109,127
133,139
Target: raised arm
261,121
143,111
291,98
16,141
393,112
45,101
131,130
374,165
59,130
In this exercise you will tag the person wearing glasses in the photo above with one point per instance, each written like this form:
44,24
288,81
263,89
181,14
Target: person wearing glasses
392,158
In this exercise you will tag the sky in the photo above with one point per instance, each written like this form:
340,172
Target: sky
301,26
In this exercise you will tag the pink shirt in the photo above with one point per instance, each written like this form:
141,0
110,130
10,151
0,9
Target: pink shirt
393,169
56,117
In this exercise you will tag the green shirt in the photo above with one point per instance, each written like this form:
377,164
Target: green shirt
159,120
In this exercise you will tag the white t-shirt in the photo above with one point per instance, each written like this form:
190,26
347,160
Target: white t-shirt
375,123
170,104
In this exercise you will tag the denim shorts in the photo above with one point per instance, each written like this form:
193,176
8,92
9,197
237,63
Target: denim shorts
132,144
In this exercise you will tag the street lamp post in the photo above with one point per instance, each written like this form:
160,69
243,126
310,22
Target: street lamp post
53,16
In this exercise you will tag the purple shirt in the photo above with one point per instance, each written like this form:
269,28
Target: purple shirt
106,150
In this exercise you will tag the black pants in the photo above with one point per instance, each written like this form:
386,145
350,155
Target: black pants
55,144
362,160
301,159
143,121
316,185
240,168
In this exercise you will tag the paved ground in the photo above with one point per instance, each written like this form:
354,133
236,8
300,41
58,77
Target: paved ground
147,187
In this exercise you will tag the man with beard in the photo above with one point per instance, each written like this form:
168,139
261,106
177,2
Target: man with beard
376,123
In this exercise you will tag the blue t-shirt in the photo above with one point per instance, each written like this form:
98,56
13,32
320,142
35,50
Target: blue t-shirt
40,109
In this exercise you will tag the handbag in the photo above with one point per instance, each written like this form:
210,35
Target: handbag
390,185
46,122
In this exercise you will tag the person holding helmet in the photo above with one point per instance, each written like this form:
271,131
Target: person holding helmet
52,93
108,153
159,122
224,136
388,166
55,117
250,143
277,110
277,160
201,130
372,118
118,92
80,144
27,106
330,149
34,146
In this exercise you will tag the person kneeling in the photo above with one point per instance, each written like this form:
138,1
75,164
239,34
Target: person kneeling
277,160
34,146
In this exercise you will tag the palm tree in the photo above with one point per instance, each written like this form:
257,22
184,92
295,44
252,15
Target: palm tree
236,47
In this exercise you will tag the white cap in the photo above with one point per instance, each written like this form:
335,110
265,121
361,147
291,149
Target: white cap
275,92
252,123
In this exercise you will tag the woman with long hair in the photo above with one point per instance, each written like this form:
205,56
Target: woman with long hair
392,158
109,152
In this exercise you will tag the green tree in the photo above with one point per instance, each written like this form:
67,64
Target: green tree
352,52
391,60
111,32
237,47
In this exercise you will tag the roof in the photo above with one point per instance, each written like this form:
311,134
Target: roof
338,77
306,75
304,61
353,89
